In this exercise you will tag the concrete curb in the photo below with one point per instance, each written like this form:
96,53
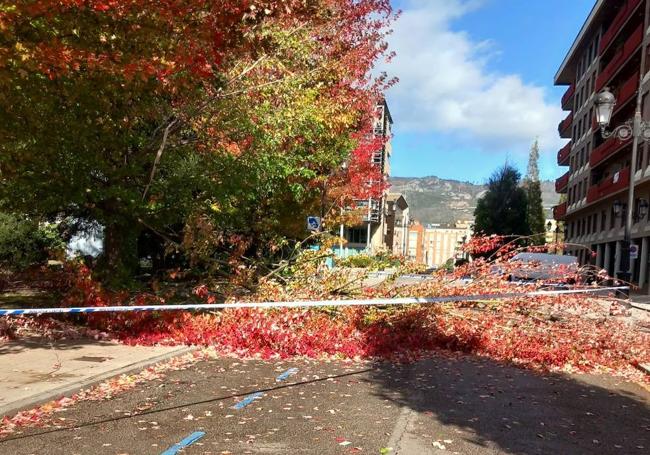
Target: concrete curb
13,407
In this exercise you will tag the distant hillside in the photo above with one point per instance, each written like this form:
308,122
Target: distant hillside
436,200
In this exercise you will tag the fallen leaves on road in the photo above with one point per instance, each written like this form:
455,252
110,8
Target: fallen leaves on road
42,415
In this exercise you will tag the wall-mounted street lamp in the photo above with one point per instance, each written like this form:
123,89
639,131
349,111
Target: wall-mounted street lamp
637,130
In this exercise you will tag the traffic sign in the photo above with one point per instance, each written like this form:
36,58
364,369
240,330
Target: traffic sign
313,223
634,251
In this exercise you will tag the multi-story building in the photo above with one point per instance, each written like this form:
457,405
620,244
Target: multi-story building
397,223
442,243
373,235
606,53
416,242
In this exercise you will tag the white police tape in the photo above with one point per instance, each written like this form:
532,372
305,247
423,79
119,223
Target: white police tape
305,304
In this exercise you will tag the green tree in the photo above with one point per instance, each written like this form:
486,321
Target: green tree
502,209
532,185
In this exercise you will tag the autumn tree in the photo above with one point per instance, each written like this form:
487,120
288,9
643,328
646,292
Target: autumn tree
502,210
150,116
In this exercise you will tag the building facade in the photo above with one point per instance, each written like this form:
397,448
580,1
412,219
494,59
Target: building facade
606,53
376,233
444,243
397,223
416,242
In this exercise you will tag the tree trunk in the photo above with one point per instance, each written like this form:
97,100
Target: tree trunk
119,262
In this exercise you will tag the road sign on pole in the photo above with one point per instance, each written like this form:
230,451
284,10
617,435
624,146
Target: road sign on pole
634,251
314,223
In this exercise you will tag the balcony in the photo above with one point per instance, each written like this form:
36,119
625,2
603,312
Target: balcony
627,91
568,97
621,56
559,211
563,155
564,128
617,24
604,151
612,185
373,214
561,183
378,158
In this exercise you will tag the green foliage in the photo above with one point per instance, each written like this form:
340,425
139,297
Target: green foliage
379,261
535,212
504,207
23,242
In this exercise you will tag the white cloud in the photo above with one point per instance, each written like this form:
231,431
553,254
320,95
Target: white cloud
445,85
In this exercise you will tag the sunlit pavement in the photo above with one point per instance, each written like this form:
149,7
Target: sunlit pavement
436,405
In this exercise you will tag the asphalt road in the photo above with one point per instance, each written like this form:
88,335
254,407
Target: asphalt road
438,405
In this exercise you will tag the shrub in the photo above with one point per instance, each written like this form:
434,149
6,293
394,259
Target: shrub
379,261
23,242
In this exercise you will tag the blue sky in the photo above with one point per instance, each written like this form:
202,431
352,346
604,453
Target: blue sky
476,84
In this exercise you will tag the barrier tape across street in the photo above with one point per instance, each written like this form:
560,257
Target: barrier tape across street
303,304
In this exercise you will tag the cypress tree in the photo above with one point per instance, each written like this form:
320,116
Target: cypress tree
535,209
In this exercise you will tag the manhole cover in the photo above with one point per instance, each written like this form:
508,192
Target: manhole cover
87,358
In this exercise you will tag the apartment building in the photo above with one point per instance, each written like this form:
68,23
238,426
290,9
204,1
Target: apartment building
442,243
373,235
606,53
416,242
397,223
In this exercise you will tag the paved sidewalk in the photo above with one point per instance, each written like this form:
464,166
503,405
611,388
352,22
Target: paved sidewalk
36,371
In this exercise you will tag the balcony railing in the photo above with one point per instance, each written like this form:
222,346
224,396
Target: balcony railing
378,158
564,128
629,48
561,183
617,182
567,97
604,151
372,215
559,211
627,91
612,32
563,155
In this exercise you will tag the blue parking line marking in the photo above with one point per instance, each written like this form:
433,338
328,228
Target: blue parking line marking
286,374
188,441
248,400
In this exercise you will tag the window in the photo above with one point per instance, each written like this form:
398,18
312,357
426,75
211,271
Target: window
603,219
359,235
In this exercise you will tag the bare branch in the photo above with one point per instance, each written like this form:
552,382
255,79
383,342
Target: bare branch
163,144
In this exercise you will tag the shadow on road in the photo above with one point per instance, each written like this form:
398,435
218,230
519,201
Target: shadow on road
487,405
25,344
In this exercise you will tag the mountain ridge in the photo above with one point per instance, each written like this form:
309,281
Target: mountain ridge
435,200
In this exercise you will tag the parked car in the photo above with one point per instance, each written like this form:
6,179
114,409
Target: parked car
524,267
